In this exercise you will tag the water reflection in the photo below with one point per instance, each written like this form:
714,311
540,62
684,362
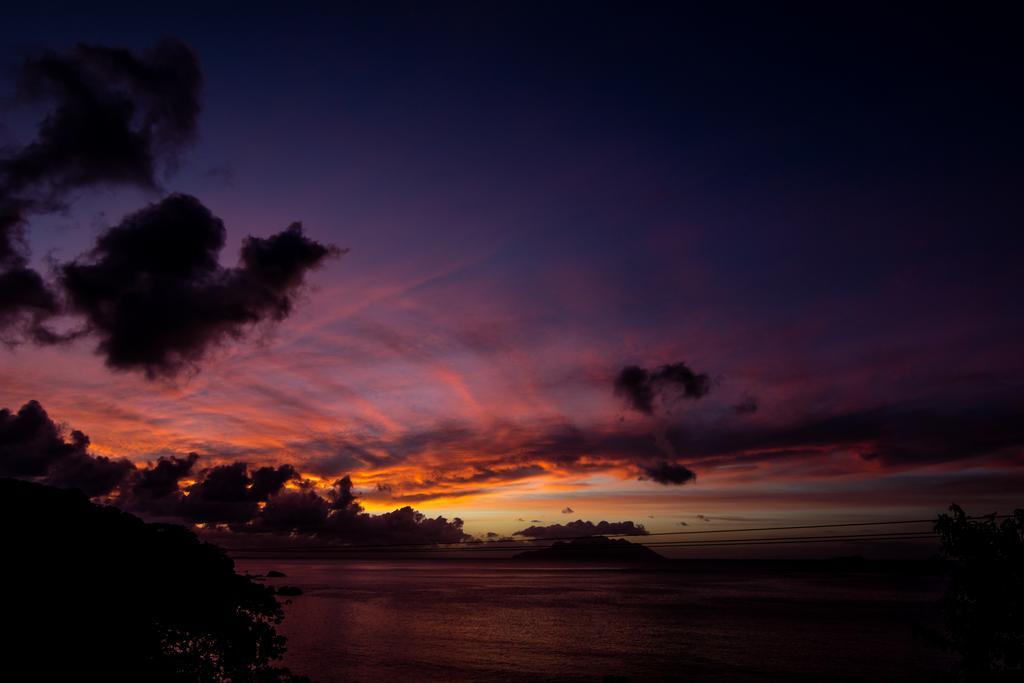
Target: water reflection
468,621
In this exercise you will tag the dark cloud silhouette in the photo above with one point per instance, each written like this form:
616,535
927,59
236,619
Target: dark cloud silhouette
404,525
32,446
26,300
747,406
341,496
231,494
154,293
12,229
30,442
26,304
567,511
338,518
900,435
267,481
290,511
582,528
155,491
94,475
896,435
162,479
640,387
633,383
668,473
256,502
489,475
560,443
517,451
152,289
116,116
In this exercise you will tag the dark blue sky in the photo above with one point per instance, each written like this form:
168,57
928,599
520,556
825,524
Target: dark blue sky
818,206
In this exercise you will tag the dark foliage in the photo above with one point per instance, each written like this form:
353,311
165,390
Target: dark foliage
984,606
97,594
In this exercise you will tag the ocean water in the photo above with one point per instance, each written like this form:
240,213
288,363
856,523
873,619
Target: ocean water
505,621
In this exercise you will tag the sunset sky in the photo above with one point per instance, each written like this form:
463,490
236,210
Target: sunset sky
829,229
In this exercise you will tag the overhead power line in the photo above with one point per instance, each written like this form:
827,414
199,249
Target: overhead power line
582,547
467,545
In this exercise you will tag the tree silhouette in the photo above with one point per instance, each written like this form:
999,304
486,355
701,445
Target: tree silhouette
93,593
984,605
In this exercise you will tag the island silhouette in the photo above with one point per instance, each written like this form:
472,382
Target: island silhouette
593,549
